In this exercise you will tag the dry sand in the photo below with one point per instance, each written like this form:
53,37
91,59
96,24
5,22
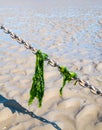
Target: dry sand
74,38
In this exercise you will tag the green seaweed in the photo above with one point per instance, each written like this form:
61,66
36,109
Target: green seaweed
67,76
37,89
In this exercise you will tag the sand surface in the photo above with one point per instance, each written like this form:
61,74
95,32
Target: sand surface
73,37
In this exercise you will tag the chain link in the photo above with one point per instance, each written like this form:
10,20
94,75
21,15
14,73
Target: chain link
53,63
85,84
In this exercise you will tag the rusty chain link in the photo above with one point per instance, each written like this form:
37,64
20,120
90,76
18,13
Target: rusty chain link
53,63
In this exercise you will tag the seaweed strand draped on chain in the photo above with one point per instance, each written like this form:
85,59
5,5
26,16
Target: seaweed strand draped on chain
37,89
67,76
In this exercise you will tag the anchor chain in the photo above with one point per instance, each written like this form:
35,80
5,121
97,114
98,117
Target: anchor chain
53,63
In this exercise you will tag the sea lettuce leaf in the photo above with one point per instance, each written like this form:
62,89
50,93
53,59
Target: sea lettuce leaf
67,76
37,89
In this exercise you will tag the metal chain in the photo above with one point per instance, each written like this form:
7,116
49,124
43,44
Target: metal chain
92,88
53,63
18,39
26,45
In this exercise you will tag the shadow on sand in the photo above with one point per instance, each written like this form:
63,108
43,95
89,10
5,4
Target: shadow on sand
14,106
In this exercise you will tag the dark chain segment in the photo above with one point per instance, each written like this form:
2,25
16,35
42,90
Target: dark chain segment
53,63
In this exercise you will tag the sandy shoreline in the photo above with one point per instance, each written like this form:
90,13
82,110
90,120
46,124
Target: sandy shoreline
74,39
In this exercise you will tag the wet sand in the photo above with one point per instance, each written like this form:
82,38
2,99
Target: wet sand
73,37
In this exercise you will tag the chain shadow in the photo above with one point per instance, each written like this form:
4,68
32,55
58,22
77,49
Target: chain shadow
14,106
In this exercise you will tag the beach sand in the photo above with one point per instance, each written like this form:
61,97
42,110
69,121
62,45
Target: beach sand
73,37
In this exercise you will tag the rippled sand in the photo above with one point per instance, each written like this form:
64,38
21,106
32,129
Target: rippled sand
73,37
